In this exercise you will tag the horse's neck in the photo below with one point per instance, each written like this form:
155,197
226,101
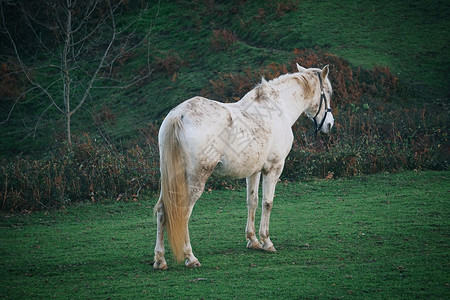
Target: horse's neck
283,100
291,98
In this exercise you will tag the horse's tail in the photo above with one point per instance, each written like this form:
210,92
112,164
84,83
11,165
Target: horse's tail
174,189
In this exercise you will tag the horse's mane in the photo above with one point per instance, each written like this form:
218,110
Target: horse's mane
261,89
305,85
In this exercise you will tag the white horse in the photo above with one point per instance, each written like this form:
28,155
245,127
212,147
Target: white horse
201,137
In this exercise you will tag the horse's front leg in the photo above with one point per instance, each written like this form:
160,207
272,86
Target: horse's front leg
252,204
269,182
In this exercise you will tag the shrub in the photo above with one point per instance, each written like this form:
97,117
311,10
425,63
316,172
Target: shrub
11,83
222,39
231,87
88,171
168,63
286,6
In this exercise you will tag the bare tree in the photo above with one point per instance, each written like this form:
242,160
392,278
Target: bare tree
76,45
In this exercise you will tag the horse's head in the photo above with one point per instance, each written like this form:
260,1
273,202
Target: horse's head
320,108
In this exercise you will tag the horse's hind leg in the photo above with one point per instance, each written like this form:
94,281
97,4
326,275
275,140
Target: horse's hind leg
252,204
191,260
160,261
196,186
195,191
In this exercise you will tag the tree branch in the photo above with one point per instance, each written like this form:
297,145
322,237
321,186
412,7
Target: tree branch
100,65
22,65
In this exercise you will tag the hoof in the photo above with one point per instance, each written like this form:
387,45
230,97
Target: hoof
193,264
254,245
160,265
269,248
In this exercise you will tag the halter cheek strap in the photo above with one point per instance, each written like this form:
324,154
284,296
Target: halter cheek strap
323,98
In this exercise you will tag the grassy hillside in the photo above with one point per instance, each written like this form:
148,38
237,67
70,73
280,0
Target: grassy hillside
376,237
194,42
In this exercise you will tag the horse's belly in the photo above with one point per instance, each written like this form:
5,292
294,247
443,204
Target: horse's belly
243,149
238,165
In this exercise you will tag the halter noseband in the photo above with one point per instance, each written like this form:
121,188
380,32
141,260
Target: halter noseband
323,98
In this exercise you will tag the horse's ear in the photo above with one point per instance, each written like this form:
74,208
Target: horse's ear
300,68
325,72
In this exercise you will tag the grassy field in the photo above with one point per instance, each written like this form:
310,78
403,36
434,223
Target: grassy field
378,237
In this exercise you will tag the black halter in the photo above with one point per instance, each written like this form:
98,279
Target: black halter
323,98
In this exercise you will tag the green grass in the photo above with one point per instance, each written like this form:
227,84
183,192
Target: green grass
383,236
